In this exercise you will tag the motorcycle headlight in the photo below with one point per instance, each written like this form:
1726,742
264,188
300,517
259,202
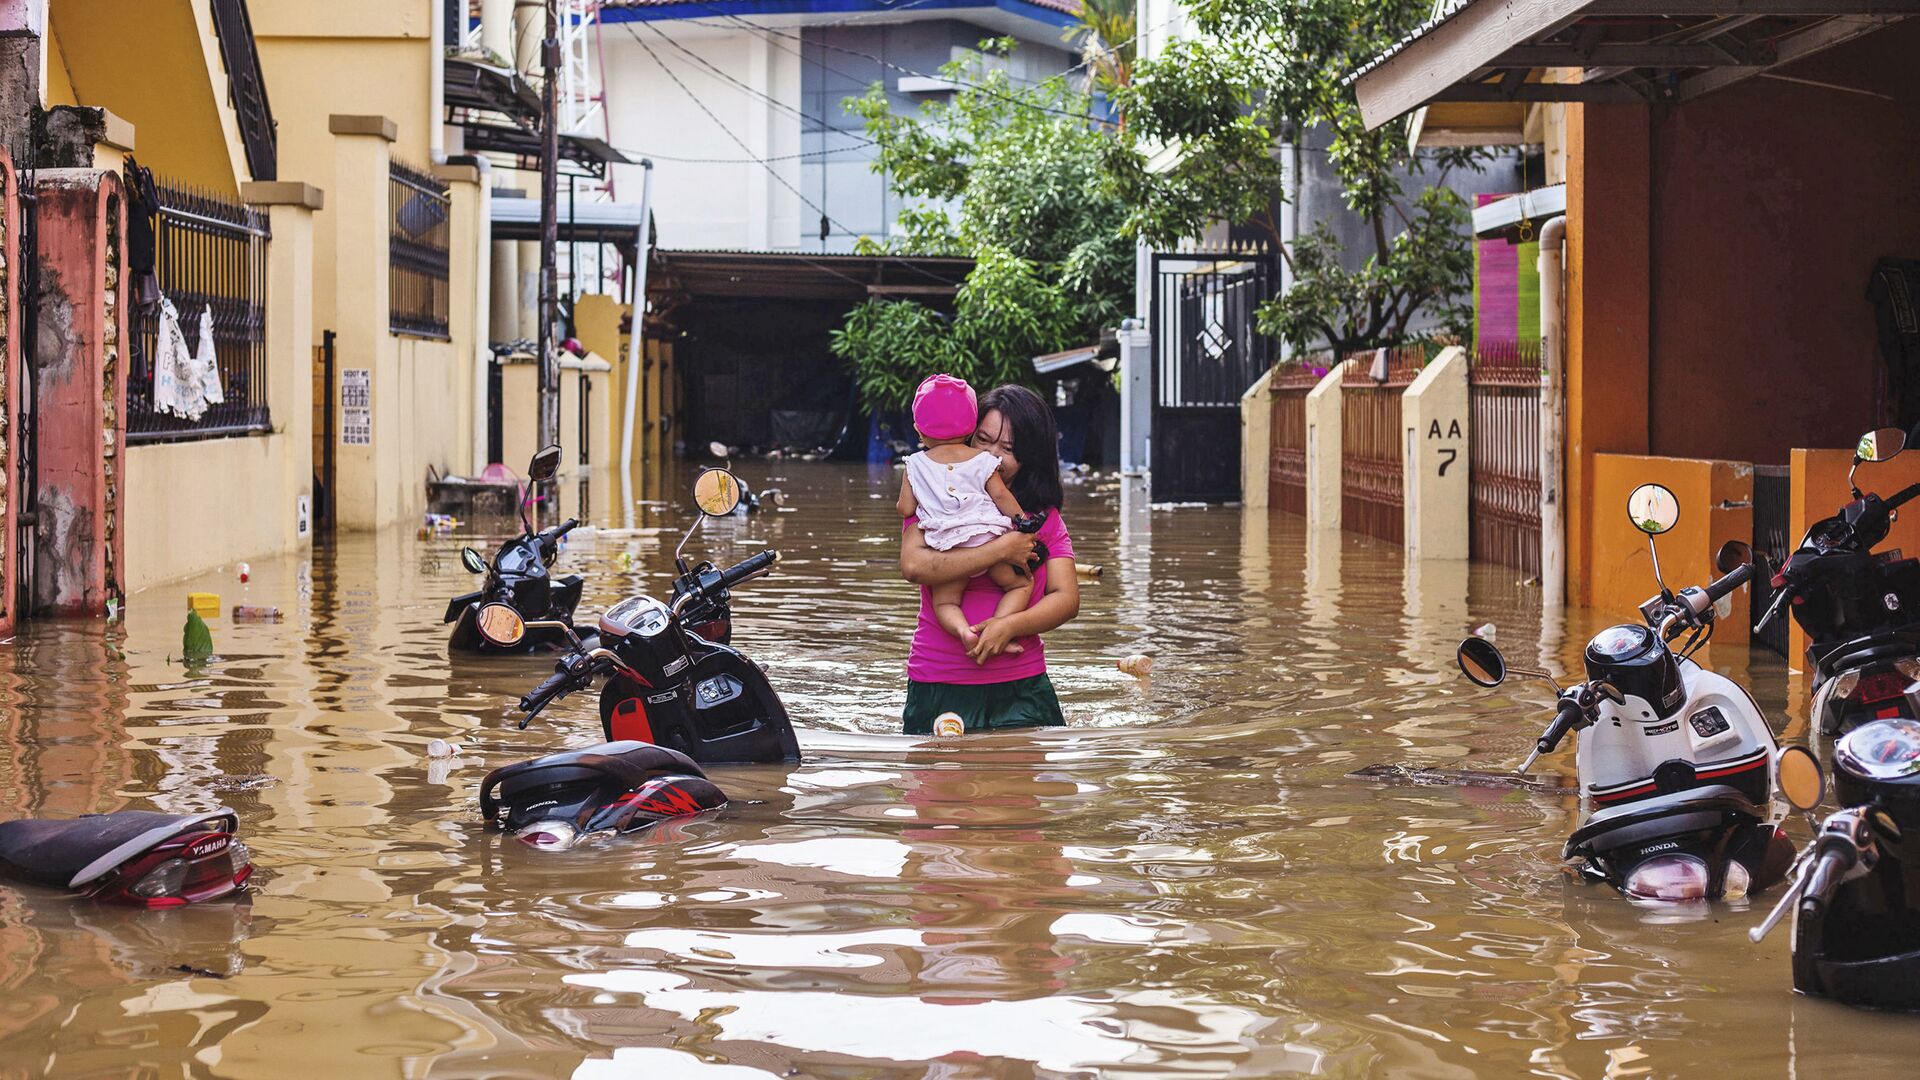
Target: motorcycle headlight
548,835
1669,877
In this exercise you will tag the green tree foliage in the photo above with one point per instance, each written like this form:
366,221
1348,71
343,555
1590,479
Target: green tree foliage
1012,176
1267,71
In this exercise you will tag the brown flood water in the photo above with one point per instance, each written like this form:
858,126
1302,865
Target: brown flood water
1184,882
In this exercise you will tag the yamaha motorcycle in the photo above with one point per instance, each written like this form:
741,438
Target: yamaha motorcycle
1860,609
1856,909
134,857
516,608
1675,761
615,788
671,677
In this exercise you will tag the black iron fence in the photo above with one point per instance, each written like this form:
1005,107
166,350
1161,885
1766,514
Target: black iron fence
210,254
420,213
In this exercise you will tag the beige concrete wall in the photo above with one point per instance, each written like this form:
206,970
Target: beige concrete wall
1256,440
358,209
1323,451
1434,418
519,414
193,506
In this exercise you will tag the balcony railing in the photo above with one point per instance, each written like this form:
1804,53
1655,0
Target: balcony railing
419,219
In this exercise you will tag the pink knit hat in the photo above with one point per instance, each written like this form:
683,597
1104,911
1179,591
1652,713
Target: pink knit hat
944,408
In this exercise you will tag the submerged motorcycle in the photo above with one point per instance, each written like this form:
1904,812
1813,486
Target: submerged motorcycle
672,679
134,857
560,800
1856,915
1675,760
1860,609
518,591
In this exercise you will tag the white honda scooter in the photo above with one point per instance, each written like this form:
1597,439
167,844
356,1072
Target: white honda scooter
1676,762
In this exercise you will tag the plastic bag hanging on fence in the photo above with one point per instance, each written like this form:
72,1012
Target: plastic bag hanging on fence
207,361
170,347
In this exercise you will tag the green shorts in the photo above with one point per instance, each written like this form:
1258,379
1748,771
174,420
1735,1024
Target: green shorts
1028,702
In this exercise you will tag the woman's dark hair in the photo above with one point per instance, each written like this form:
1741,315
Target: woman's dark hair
1036,445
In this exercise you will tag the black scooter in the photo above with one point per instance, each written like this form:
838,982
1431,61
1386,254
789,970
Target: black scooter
1860,608
671,678
560,800
134,857
516,610
1856,915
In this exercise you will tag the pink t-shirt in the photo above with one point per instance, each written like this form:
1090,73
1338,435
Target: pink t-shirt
937,656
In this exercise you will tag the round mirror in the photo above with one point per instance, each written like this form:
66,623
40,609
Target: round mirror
716,492
717,449
1481,663
471,559
500,624
544,464
1733,555
1654,509
1801,780
1881,444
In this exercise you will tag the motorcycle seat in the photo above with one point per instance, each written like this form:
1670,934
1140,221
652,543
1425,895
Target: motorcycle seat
1873,648
72,852
628,763
1647,820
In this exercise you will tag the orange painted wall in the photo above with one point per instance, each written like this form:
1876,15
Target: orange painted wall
1770,202
1716,505
1819,490
1607,304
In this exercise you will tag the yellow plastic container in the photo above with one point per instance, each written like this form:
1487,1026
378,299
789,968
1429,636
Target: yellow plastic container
205,604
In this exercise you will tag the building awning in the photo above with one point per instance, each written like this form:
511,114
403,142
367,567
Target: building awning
1479,63
499,111
1103,354
1503,218
796,275
583,222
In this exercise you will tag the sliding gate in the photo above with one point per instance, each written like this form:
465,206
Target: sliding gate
1207,351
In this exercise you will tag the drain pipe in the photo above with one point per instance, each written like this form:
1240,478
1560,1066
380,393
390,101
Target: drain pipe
1553,418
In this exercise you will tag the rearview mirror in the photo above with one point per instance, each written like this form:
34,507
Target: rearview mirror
544,464
716,492
1800,777
1653,509
500,624
1881,444
471,559
1481,662
1733,555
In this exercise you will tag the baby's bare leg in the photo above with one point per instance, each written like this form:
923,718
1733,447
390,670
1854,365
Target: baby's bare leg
1016,589
946,610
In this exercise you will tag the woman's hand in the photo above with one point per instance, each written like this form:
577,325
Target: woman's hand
1014,546
991,638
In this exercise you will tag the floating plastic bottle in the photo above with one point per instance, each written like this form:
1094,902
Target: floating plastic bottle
949,725
1139,664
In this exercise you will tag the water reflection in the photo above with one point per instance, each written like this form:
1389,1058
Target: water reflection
1185,881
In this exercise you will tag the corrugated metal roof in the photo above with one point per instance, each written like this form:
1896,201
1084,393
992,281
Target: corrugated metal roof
1453,7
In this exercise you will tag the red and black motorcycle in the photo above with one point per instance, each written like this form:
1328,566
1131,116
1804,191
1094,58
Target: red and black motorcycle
135,857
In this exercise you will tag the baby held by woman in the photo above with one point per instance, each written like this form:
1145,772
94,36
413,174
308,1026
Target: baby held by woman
960,499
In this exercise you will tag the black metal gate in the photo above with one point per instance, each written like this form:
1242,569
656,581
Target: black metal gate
1207,351
1772,509
324,436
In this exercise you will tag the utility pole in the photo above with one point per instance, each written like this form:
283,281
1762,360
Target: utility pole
549,425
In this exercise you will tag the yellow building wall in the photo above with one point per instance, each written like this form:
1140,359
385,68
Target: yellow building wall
157,65
1716,505
199,505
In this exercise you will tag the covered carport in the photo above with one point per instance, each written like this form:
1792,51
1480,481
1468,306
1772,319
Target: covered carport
1735,172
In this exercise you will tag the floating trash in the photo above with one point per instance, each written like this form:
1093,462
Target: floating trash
1426,776
1139,664
949,725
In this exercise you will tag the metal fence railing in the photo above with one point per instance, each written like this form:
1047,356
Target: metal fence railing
1504,406
210,253
419,216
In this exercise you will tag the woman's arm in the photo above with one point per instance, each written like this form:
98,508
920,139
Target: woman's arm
922,565
1060,603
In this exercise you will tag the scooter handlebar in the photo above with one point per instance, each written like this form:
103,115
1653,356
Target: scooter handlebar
1906,494
1735,578
1826,873
749,567
1567,716
559,684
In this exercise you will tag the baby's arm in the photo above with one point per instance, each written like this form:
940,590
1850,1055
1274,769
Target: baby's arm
907,504
1001,496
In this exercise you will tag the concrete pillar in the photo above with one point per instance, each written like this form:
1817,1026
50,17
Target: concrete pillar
527,307
496,27
10,367
80,393
504,323
364,347
1136,397
468,286
1256,440
1609,260
1434,419
1323,450
290,340
22,68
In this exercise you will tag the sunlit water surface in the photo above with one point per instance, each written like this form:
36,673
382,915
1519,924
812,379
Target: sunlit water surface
1183,882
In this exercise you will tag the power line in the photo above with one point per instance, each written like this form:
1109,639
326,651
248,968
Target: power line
702,61
803,155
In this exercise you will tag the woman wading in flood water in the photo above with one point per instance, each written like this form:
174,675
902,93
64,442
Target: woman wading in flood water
1001,681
